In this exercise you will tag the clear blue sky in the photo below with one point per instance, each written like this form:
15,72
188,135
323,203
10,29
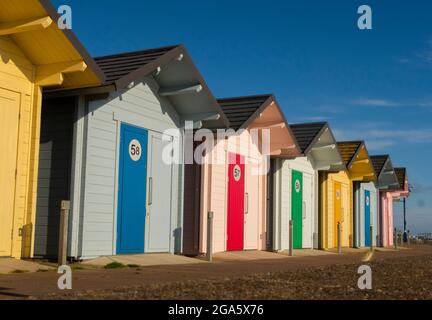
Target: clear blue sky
374,85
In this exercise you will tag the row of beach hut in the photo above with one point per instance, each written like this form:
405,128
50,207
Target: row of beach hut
95,131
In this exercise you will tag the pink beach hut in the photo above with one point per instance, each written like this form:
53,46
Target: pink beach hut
387,199
234,176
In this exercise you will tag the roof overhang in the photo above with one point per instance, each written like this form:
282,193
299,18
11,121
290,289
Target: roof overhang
399,194
181,82
58,57
324,152
178,80
270,117
403,190
387,178
360,166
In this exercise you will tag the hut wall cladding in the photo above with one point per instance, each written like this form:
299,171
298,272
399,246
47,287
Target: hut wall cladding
214,196
359,205
282,201
19,134
328,230
96,189
54,176
192,206
386,214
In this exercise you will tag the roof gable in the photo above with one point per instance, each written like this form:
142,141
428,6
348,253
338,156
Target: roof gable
318,143
378,163
401,175
240,110
177,77
262,112
58,57
117,66
386,176
307,133
348,150
357,160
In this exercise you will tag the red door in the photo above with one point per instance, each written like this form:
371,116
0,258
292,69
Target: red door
235,225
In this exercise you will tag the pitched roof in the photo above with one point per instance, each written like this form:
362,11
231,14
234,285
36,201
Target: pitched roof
123,69
239,110
378,163
401,175
349,149
62,59
117,66
306,133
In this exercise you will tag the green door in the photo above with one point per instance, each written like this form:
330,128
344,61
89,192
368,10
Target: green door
297,208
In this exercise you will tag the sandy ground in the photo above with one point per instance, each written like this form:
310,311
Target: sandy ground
403,278
403,274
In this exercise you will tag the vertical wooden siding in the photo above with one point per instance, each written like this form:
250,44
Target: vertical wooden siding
328,232
360,213
16,74
214,182
282,194
192,206
386,214
54,172
139,106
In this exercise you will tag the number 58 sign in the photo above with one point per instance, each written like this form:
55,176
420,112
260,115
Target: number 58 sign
135,150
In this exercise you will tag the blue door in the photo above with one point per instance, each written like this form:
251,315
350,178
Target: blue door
131,212
367,205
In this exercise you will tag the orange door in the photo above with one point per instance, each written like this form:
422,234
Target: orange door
9,115
337,201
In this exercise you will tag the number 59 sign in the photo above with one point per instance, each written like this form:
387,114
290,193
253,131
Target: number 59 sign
135,150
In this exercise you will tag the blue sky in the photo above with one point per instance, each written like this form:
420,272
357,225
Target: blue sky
374,85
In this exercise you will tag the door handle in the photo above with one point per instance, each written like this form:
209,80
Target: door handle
246,203
150,193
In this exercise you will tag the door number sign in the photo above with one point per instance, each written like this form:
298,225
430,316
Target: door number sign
367,201
297,186
237,173
135,150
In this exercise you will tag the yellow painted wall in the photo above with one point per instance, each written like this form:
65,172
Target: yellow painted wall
328,232
33,54
16,81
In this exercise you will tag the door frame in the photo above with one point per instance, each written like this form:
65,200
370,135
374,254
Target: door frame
308,201
367,234
242,159
151,134
123,125
335,240
13,213
300,223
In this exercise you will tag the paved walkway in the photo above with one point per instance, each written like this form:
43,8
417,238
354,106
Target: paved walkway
15,286
10,265
307,253
232,256
143,260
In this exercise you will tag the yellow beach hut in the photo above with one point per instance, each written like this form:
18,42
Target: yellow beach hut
336,195
35,54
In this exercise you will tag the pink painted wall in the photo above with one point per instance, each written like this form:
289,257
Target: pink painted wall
214,180
387,227
215,199
386,218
